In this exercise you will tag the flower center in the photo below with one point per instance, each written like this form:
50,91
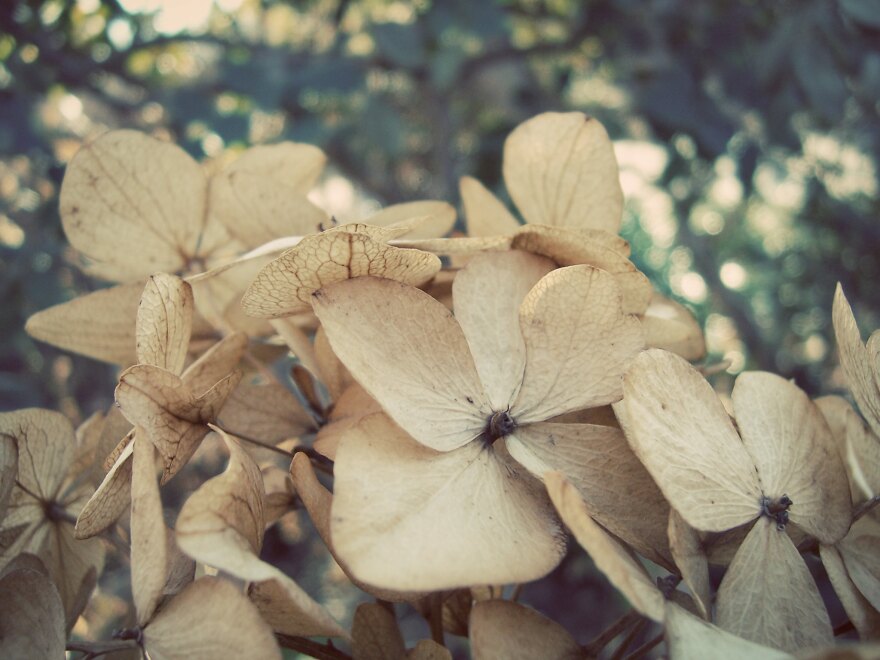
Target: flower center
777,509
499,424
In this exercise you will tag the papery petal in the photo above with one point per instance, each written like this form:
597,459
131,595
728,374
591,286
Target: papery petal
487,295
501,629
863,615
484,212
441,214
855,359
405,517
578,344
679,429
149,549
560,169
164,322
31,613
690,557
134,204
618,491
410,354
793,450
768,595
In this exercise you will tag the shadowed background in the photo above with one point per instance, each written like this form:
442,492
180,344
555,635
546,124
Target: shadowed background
747,134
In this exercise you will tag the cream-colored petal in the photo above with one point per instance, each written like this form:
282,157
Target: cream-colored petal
793,450
578,344
679,429
375,634
410,354
861,554
487,295
216,363
428,649
354,404
690,557
456,246
134,204
570,247
210,619
291,611
863,615
96,439
618,491
672,327
8,469
855,360
441,214
334,374
269,412
110,500
285,286
46,445
484,212
560,169
99,325
862,454
504,630
317,501
406,517
613,559
768,595
149,546
31,614
297,340
293,165
164,322
690,638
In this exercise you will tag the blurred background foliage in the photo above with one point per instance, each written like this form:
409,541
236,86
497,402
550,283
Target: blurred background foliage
747,134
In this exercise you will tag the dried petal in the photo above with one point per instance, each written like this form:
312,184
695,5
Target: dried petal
31,613
690,557
441,214
501,629
375,635
149,556
485,214
164,322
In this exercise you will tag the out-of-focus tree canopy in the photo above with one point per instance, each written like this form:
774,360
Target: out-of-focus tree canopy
747,134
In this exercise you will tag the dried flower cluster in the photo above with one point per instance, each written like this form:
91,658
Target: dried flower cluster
466,398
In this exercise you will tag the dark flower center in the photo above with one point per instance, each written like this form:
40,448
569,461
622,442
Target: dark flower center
499,424
777,509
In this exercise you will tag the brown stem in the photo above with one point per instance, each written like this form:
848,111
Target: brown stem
319,461
435,617
645,648
311,648
637,629
602,640
96,649
865,506
844,628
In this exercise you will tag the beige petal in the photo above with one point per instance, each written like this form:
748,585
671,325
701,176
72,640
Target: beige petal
8,469
863,615
168,413
862,449
503,630
268,412
428,649
216,363
578,344
690,557
410,354
442,217
352,406
456,246
134,204
684,437
98,438
861,554
209,619
768,595
99,325
46,444
487,294
690,638
31,615
290,611
285,286
110,500
164,322
222,523
436,520
375,635
617,490
298,342
793,450
569,247
855,360
560,169
334,374
149,545
317,501
672,327
484,212
616,562
261,195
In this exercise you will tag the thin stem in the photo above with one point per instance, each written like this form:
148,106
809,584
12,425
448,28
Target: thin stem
20,485
435,617
645,648
865,506
844,628
319,461
612,631
517,592
311,648
637,629
97,649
